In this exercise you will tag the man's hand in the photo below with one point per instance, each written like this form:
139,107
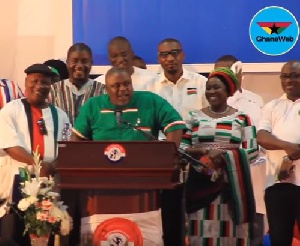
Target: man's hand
48,168
293,151
286,169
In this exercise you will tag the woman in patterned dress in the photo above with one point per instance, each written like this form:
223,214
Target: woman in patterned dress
220,208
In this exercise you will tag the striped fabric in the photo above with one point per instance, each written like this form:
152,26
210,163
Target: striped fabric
212,225
62,96
38,138
223,219
9,91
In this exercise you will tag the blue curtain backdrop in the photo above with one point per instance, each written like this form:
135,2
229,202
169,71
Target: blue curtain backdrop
206,28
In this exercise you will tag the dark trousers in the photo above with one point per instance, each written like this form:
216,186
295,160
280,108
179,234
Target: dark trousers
283,208
11,225
11,230
173,221
257,235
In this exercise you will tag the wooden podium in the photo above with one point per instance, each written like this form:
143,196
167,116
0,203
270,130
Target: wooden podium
126,175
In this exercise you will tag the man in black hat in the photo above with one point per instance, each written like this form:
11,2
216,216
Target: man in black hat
26,124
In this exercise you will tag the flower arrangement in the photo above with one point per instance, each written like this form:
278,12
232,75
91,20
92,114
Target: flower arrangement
40,208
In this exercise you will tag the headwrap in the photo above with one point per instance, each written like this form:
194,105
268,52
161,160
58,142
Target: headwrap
228,77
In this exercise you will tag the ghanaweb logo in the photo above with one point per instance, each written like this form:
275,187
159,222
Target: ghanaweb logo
274,31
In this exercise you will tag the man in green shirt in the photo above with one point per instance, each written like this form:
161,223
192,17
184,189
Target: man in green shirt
98,120
145,110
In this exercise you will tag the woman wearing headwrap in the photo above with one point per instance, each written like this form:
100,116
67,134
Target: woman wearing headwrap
219,197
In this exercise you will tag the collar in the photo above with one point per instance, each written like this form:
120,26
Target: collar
184,77
284,97
82,90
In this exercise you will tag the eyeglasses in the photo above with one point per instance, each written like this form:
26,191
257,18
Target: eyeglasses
173,53
42,126
291,76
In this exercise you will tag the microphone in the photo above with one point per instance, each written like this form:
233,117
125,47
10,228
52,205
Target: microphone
146,134
118,113
189,158
181,151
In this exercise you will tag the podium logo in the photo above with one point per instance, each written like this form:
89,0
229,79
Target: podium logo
118,231
115,152
274,31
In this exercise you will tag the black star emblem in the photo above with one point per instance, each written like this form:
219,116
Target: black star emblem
274,29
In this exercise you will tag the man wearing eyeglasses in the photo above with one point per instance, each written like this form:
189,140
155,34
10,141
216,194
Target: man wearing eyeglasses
28,124
120,54
184,90
279,134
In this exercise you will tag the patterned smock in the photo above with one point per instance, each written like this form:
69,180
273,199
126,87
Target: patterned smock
221,216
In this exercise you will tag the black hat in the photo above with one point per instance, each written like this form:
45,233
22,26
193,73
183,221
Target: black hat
39,68
60,66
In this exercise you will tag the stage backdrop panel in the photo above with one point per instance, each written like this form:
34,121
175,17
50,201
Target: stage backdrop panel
207,28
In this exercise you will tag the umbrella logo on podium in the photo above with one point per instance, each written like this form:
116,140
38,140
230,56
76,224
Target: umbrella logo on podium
115,152
118,231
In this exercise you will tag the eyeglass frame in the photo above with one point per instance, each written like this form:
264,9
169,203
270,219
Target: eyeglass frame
174,53
292,76
42,126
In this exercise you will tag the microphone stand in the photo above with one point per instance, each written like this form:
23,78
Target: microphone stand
146,134
184,160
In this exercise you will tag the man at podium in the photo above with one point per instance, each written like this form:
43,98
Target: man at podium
125,115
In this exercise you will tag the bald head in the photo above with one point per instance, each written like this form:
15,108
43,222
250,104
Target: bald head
293,64
118,86
120,53
115,71
225,61
290,79
119,40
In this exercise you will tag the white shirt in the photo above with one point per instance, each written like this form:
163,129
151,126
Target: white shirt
281,117
252,104
187,94
14,132
247,102
141,78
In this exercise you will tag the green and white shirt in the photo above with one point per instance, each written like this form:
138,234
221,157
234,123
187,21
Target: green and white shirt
146,111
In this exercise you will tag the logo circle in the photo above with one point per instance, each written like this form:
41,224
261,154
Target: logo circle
118,232
274,31
115,152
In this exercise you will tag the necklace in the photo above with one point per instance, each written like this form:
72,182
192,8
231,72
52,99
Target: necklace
224,112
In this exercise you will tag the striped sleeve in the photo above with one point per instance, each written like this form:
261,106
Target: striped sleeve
168,118
186,141
249,141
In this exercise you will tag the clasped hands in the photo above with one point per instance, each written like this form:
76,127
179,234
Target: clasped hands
287,166
213,159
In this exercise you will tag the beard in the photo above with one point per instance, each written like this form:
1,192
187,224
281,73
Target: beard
172,71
